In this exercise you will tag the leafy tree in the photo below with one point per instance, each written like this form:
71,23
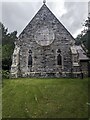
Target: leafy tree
88,33
85,35
7,47
78,39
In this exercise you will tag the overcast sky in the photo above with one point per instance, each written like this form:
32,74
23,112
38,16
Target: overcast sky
16,15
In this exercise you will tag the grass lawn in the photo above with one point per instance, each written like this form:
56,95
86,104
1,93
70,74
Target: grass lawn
45,98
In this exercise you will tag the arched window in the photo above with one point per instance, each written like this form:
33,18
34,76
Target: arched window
30,58
59,59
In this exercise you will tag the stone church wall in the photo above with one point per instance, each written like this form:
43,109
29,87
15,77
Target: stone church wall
44,57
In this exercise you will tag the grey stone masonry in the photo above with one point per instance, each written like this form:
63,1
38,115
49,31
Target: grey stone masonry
43,43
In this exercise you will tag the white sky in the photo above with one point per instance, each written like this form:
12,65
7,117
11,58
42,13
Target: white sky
16,14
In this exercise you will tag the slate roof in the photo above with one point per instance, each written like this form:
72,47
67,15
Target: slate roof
81,53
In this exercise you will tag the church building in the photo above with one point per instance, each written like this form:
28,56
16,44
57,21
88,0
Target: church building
46,49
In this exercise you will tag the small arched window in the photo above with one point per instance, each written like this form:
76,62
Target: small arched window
30,58
59,59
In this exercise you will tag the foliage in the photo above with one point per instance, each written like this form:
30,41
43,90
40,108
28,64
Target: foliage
87,22
45,98
7,47
0,54
8,38
6,56
5,74
85,35
82,39
78,39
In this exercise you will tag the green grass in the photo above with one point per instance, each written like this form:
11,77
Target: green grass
0,100
45,98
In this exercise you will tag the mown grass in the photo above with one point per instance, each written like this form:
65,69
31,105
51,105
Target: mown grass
45,98
0,100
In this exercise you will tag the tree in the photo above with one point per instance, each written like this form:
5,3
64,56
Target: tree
7,47
88,33
85,35
78,39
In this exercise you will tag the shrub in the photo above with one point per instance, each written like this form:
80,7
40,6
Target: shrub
5,74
